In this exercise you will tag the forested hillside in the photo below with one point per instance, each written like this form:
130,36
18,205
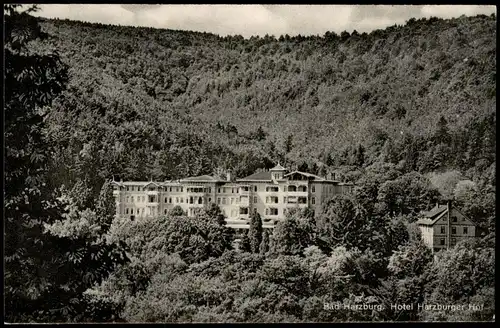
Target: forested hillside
158,103
408,113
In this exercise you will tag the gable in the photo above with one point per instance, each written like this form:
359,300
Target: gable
461,219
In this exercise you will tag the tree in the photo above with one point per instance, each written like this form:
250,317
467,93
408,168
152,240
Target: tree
255,232
245,243
31,82
408,194
213,211
340,222
176,211
410,260
264,245
462,274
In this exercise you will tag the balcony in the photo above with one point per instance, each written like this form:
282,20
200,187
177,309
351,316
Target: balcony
116,192
297,193
244,201
245,190
152,192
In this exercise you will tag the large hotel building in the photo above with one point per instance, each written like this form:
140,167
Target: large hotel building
270,193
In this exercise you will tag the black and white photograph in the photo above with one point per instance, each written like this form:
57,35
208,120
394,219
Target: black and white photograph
249,163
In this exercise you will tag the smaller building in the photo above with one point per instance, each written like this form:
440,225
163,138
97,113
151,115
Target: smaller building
444,226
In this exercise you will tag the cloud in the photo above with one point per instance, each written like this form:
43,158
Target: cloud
248,20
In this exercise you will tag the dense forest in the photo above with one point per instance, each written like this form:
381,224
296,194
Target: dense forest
167,104
406,113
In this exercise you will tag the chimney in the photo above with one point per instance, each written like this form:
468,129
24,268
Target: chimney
228,176
449,223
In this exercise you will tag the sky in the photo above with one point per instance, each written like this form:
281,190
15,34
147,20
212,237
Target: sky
248,20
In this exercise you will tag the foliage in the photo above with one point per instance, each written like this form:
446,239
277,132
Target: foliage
189,103
255,232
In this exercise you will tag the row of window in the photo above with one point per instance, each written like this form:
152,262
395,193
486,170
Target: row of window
225,190
228,201
139,211
220,200
454,230
272,211
442,241
453,219
168,200
139,188
233,190
287,200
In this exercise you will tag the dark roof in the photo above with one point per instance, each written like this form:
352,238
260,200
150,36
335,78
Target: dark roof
261,176
202,178
435,211
278,168
309,175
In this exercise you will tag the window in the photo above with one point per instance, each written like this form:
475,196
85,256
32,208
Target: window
128,199
200,200
443,230
165,211
441,241
151,199
131,211
454,219
126,210
267,211
165,200
453,241
191,201
182,200
232,200
218,201
454,230
255,188
466,230
255,199
313,189
127,188
284,200
170,200
218,190
209,199
273,211
176,199
313,200
132,199
224,190
224,201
